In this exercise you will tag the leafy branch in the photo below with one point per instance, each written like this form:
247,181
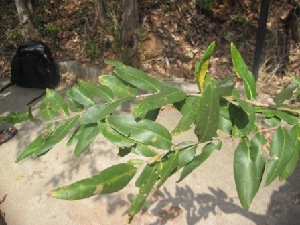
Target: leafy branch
89,109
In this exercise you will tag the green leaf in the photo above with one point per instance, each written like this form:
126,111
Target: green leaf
190,112
145,183
33,147
243,118
209,112
75,136
169,95
145,131
81,96
168,166
16,117
282,150
295,135
136,77
286,94
296,79
144,150
110,180
75,106
226,86
246,174
224,120
243,72
199,159
86,137
187,151
118,87
115,137
292,164
59,133
289,118
202,67
98,112
52,105
95,90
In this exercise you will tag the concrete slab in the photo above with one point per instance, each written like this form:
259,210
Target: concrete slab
206,197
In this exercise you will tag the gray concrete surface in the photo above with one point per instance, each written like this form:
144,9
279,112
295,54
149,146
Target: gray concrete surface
205,197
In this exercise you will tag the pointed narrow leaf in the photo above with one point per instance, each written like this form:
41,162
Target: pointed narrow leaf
16,117
168,166
86,137
74,106
80,95
282,150
98,112
144,150
110,180
245,174
226,86
145,183
202,67
286,93
243,118
96,90
137,77
190,112
145,131
199,159
169,95
242,71
52,105
187,151
33,147
118,87
208,118
75,136
115,137
57,136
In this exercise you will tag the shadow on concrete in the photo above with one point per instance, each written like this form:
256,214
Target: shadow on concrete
283,208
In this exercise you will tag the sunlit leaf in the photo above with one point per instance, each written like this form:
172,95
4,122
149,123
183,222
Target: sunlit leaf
282,150
86,137
286,93
98,112
187,151
57,135
96,90
110,180
199,159
169,95
144,150
242,71
168,166
115,137
246,174
243,118
136,77
80,95
145,183
226,86
145,131
53,104
202,66
33,146
118,87
209,112
190,112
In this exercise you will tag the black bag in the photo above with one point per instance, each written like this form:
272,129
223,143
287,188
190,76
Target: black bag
33,66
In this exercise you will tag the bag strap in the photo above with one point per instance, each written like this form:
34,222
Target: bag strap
6,86
36,98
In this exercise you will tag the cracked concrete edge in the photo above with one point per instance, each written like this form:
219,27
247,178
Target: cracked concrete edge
91,72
